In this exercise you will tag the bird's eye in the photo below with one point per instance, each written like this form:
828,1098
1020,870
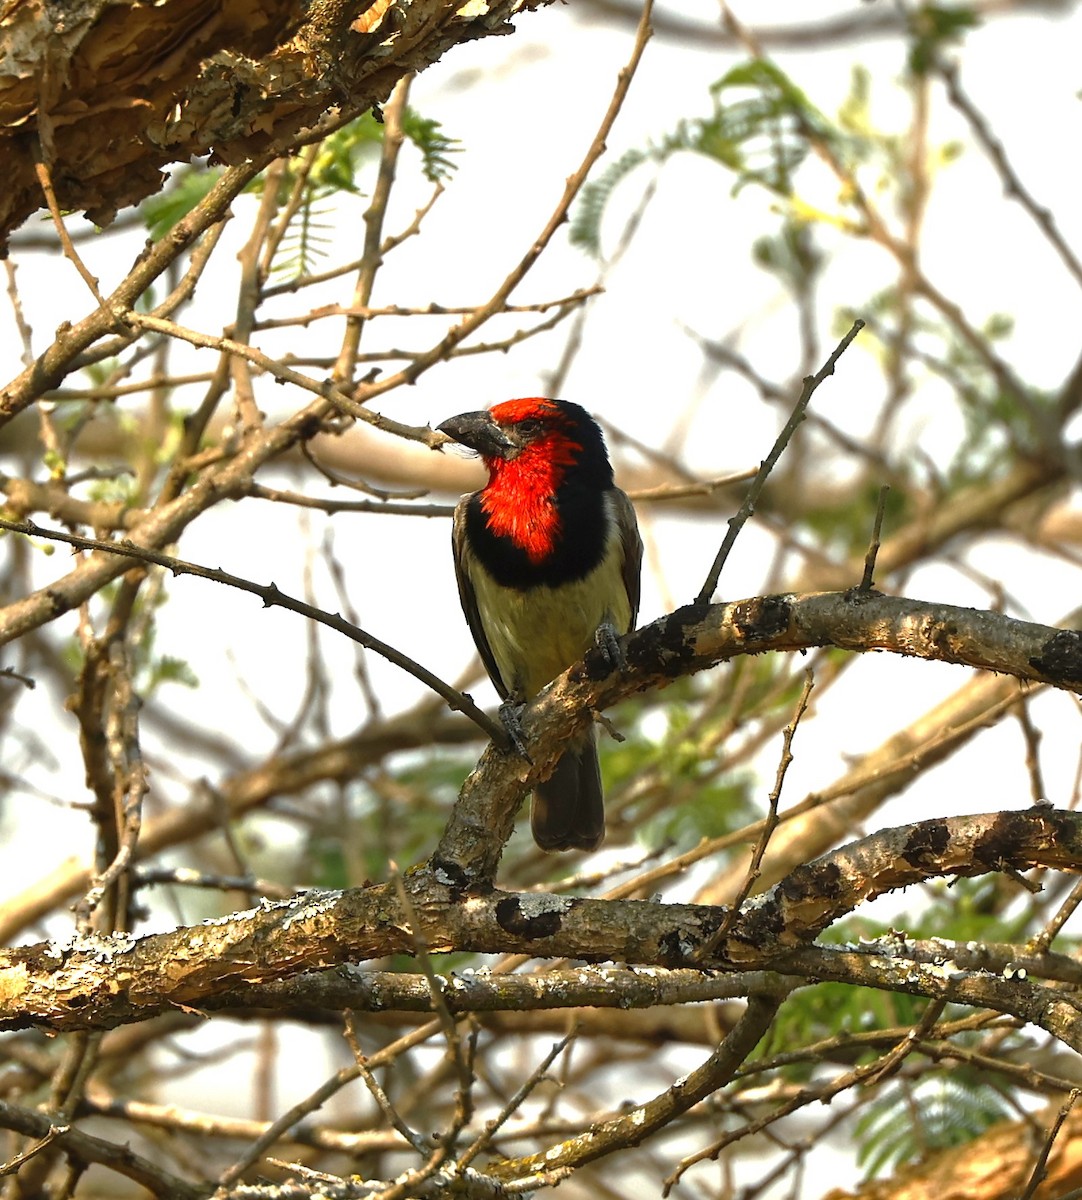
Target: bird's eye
530,427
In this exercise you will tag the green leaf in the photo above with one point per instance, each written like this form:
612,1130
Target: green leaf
791,254
832,1010
168,669
761,129
909,1120
933,27
436,147
586,223
336,168
183,192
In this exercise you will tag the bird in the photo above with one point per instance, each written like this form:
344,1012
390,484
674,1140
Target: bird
547,557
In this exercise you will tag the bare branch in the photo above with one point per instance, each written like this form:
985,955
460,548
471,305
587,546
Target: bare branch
101,981
747,509
272,596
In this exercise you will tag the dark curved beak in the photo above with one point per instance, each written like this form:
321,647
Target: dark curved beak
480,432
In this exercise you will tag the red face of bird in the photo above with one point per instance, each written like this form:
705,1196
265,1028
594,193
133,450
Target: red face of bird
558,431
505,430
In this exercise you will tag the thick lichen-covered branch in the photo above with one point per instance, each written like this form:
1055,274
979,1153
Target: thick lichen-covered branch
101,982
117,92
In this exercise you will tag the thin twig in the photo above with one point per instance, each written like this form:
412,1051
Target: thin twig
870,1072
337,480
45,179
374,215
415,1139
25,332
1031,735
311,1103
769,823
1040,943
684,491
151,876
272,596
24,1156
867,581
1012,184
514,1103
1040,1167
385,507
88,1148
737,522
573,186
284,374
633,1125
435,986
11,673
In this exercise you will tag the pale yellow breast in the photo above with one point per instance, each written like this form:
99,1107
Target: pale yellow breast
537,634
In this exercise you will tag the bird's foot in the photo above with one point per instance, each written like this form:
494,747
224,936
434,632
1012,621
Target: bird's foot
511,718
607,641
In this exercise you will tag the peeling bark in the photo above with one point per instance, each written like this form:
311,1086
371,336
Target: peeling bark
109,94
100,982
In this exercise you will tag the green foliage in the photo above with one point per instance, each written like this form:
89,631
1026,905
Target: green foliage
436,147
999,426
345,152
338,159
686,762
594,198
168,669
769,128
910,1120
378,831
832,1010
934,27
334,169
98,373
968,910
791,255
183,192
707,805
149,670
965,910
845,527
325,861
710,809
774,685
855,113
1000,423
760,128
957,910
308,237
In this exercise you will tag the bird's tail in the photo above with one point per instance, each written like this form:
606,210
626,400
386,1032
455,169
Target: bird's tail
568,810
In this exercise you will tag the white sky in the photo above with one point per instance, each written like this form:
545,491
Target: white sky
522,132
524,128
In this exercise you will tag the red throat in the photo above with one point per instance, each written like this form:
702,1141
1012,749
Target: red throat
520,497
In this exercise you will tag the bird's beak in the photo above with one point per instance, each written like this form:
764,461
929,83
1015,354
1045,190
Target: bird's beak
480,432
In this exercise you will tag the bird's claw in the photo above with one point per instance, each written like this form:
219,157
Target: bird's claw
511,719
608,643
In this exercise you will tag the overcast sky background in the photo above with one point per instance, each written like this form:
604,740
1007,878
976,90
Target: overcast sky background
525,108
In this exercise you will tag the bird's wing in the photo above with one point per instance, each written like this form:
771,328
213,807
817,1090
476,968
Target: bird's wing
632,547
468,596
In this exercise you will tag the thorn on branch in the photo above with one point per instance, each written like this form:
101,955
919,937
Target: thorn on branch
867,582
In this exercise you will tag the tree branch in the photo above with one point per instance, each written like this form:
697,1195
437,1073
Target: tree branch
103,981
243,83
